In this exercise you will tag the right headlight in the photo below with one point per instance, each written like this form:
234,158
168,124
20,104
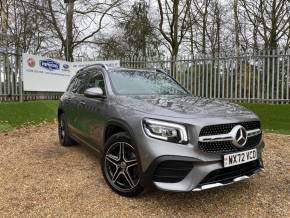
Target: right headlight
166,131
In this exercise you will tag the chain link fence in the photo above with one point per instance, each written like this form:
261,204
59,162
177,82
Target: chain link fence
10,75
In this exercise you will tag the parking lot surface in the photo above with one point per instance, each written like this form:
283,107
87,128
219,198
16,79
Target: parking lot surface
39,178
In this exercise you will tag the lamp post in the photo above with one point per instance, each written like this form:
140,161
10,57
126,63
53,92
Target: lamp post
66,18
69,28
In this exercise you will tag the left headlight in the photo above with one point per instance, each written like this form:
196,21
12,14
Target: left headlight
166,131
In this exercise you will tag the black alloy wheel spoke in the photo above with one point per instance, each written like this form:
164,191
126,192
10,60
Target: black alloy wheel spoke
117,174
128,178
121,151
131,163
112,159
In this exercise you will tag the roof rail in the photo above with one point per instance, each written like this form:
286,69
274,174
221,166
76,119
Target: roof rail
160,70
156,69
100,64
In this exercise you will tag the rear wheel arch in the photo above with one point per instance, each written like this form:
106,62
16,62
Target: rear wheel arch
63,132
59,112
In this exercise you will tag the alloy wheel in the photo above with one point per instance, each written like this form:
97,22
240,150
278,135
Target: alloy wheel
61,128
121,166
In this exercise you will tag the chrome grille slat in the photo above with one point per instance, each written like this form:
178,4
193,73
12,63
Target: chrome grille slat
226,137
226,128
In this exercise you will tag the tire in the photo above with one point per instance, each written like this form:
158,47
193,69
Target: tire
63,134
121,166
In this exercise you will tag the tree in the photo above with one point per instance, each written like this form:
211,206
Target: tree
237,27
173,14
201,9
270,19
84,20
23,25
113,47
139,33
135,34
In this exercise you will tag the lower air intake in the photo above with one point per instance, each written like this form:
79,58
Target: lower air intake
172,171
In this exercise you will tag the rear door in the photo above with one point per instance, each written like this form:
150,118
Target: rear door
70,104
79,103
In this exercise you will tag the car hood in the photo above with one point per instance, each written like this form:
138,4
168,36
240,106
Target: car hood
182,107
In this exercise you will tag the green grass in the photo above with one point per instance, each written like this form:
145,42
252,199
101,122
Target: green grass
275,118
13,115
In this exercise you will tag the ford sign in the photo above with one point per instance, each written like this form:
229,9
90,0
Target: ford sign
66,66
49,64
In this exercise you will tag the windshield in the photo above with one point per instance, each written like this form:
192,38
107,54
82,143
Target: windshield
136,82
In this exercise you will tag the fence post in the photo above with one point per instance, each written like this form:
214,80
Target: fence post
287,80
19,59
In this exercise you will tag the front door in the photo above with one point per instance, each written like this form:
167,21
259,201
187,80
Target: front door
94,114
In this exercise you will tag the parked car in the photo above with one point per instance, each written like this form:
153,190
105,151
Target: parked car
151,132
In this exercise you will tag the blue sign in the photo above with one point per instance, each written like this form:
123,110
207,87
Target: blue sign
66,66
49,64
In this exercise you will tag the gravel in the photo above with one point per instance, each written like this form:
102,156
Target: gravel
39,178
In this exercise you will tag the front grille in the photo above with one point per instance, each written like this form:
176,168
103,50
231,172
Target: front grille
172,171
226,128
227,146
227,175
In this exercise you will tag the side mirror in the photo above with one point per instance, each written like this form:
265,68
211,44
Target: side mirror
95,92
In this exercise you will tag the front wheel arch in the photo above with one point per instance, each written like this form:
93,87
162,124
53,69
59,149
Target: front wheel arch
123,127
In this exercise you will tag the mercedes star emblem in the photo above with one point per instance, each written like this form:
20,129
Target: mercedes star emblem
240,136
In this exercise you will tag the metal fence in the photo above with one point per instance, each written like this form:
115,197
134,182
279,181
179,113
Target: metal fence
261,77
10,76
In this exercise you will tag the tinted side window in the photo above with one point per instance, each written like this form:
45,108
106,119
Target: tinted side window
71,85
81,83
97,80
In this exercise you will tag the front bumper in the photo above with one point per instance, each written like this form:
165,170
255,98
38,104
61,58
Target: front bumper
154,152
194,177
203,175
203,164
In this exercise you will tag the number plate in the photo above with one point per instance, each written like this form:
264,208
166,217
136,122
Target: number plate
240,158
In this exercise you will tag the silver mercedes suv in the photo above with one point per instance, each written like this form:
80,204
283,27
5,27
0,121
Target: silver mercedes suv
151,132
